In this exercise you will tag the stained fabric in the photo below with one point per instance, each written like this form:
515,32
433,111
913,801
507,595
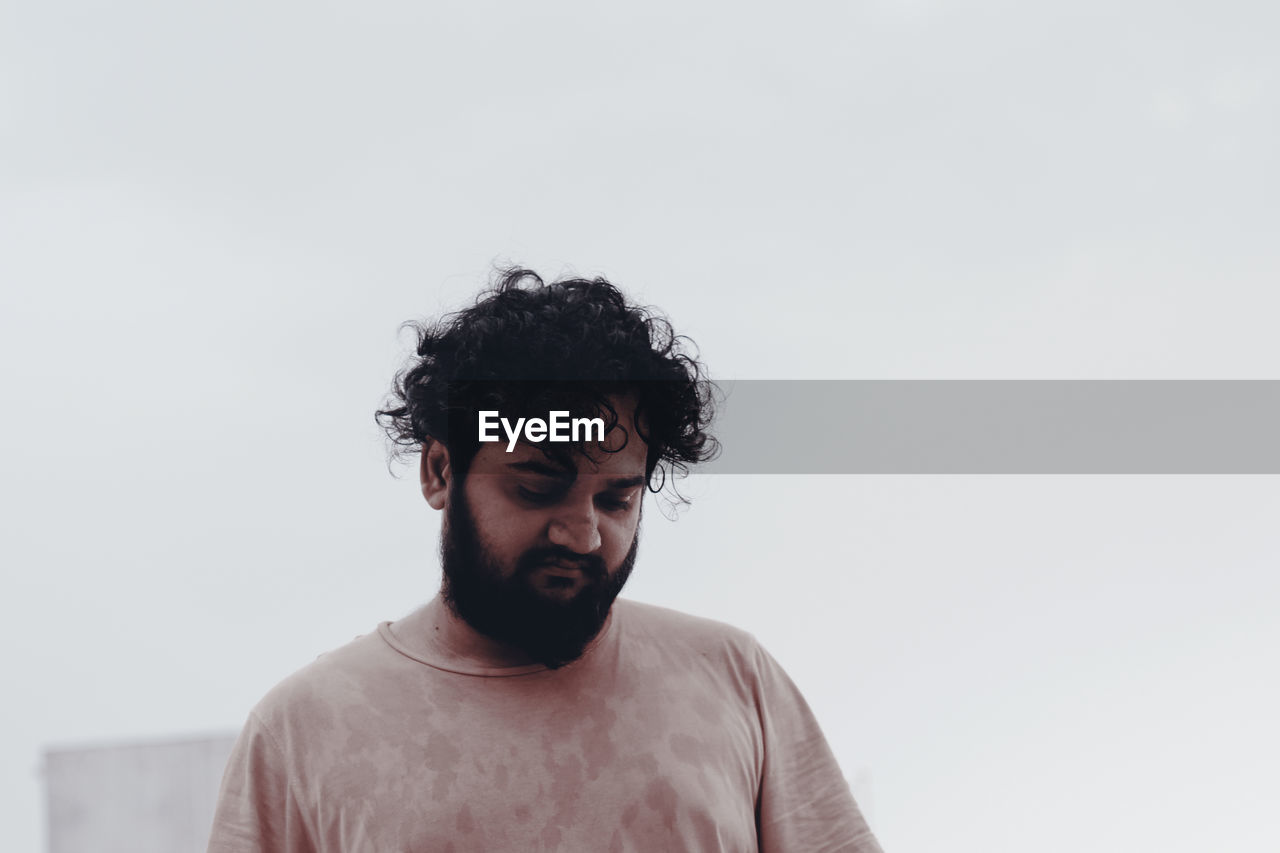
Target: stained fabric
672,733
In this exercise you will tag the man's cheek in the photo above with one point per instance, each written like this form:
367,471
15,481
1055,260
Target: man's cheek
619,543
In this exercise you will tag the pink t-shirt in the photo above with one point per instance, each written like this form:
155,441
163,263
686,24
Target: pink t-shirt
672,733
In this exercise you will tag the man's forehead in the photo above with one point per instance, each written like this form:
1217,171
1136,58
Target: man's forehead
567,462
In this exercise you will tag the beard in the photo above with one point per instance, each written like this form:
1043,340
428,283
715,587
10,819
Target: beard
508,608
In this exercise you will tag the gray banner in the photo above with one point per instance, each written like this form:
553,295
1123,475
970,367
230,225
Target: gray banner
998,427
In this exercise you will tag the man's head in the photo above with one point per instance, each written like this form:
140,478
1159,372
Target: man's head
537,542
533,551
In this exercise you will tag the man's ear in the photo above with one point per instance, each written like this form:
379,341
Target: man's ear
434,473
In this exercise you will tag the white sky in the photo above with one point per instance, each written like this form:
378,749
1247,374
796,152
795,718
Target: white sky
213,219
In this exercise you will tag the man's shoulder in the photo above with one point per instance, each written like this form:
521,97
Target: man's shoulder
335,678
674,628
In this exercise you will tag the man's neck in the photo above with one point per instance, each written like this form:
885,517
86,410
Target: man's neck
450,637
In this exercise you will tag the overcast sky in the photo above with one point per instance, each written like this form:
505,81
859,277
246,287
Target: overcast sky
214,218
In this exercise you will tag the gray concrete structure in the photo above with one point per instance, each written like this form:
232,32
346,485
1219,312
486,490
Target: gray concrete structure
154,797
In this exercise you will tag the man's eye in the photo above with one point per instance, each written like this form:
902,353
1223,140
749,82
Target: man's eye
615,502
535,496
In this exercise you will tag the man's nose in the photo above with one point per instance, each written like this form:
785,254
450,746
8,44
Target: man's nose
576,528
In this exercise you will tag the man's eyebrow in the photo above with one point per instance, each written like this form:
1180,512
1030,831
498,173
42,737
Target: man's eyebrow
628,482
535,467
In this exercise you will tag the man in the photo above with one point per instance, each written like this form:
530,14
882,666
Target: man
523,708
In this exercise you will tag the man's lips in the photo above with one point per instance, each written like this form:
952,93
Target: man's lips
558,578
566,568
562,568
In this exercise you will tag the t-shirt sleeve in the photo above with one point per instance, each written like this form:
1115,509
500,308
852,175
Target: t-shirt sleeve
256,811
804,803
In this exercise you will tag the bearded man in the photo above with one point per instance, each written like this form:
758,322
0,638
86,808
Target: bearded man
526,707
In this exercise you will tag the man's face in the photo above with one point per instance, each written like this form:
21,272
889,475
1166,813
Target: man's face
535,551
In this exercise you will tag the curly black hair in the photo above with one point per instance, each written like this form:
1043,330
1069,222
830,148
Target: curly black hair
527,347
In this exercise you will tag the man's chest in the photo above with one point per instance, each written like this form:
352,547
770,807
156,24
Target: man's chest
666,768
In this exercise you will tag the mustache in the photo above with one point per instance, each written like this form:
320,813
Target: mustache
591,565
